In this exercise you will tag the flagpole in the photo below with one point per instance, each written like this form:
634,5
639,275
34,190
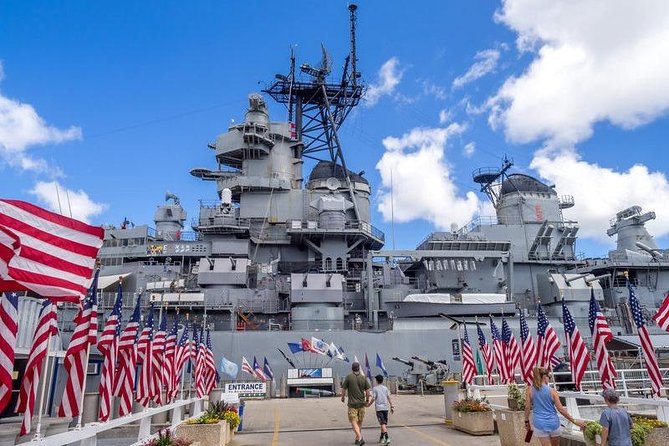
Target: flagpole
45,369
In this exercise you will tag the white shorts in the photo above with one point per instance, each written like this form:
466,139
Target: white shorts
545,434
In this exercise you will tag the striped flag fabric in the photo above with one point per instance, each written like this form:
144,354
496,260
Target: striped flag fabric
269,373
528,351
46,327
259,372
47,253
200,366
578,352
9,304
487,354
145,388
547,340
246,367
210,374
158,360
646,344
468,366
511,350
108,346
171,380
127,362
76,356
661,318
381,365
182,355
307,347
601,335
499,353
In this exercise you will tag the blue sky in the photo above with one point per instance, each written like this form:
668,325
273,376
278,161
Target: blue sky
116,101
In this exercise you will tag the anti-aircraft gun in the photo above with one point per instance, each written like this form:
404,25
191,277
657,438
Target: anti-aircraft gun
410,378
435,373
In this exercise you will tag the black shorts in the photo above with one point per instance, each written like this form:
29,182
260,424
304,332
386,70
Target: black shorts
382,416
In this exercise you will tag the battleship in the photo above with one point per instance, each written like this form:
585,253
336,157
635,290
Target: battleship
286,247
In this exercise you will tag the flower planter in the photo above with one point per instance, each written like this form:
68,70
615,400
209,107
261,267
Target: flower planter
596,442
205,434
474,423
512,403
8,433
658,436
511,427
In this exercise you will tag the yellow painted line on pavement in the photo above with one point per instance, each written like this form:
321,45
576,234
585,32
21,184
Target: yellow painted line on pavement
435,440
277,423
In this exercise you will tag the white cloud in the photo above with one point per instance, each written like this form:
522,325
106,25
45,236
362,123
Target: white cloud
433,90
389,77
600,192
597,60
445,115
423,186
83,208
469,149
486,61
21,127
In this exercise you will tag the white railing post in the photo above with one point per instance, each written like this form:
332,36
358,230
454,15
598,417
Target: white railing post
197,408
90,441
144,428
663,413
176,416
572,408
624,382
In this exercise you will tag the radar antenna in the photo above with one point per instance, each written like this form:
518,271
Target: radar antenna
319,106
490,179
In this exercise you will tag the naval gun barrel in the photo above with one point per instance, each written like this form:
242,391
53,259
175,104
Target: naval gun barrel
404,361
427,362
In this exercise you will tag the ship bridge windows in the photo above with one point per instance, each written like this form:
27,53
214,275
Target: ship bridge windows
340,264
450,264
328,264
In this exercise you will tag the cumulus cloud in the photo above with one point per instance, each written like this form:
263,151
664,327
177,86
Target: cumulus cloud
469,149
58,198
486,61
600,192
389,76
594,61
21,128
423,185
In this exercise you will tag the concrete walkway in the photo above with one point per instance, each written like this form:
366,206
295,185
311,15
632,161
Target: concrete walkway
297,422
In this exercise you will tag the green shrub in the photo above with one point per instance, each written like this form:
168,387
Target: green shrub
471,405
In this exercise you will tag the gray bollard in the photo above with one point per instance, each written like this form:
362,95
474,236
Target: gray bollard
451,395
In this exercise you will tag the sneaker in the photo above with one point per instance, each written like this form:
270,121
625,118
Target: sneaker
357,442
386,439
362,441
381,437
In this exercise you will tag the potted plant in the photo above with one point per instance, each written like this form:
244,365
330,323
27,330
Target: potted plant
473,417
511,421
592,433
208,430
167,439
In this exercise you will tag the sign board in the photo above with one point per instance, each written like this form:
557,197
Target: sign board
247,389
456,349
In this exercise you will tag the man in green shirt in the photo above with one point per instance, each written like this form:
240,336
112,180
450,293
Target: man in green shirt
357,388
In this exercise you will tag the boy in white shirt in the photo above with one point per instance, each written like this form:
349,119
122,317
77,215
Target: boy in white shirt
382,404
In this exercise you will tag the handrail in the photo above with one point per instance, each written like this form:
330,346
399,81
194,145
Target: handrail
88,433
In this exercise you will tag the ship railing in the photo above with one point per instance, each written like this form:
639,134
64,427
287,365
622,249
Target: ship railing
364,226
87,435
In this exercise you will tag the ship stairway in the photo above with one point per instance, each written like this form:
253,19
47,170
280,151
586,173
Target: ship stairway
542,239
246,319
568,239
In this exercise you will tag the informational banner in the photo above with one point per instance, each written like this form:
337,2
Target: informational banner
456,349
247,389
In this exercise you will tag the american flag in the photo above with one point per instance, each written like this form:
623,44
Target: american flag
145,387
601,335
268,370
578,352
210,375
47,253
170,363
246,367
158,359
46,327
182,356
127,364
646,344
547,340
468,366
499,353
76,357
487,354
528,352
260,374
662,315
511,349
200,367
9,304
108,346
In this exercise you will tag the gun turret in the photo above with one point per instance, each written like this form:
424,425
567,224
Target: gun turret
404,361
427,362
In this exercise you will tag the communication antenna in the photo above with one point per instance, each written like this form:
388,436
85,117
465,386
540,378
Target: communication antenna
320,106
490,179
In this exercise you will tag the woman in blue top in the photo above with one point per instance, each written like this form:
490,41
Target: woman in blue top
545,404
